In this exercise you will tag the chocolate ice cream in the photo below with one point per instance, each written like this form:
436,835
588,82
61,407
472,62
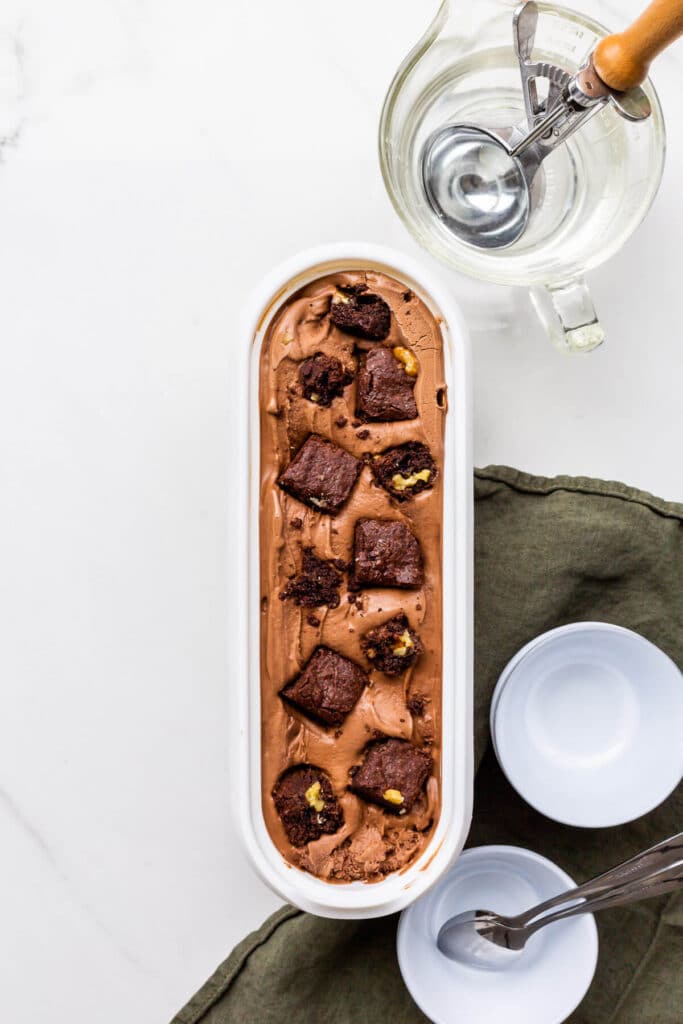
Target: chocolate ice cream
352,418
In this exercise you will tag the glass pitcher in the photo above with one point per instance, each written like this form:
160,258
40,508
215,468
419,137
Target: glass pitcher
598,186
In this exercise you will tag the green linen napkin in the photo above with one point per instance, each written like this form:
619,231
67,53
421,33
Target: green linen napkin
547,552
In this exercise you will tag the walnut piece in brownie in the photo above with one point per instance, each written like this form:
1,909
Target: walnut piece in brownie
385,388
357,311
306,804
328,687
321,474
392,775
386,554
405,470
317,584
393,646
323,378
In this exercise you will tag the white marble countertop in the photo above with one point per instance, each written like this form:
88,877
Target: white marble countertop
156,157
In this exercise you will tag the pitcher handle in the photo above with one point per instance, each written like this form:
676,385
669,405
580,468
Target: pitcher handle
568,315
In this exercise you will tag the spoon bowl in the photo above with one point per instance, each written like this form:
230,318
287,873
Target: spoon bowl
470,938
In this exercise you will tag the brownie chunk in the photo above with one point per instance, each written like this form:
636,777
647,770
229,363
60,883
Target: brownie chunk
306,804
317,584
321,474
328,687
392,775
416,704
357,311
323,378
385,388
405,470
386,554
393,646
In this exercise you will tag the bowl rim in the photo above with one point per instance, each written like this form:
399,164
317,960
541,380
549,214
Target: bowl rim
589,925
515,665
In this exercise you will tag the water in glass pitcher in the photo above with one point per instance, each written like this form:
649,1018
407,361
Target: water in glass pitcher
594,189
590,188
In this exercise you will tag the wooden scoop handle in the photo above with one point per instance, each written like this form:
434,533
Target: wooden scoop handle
623,60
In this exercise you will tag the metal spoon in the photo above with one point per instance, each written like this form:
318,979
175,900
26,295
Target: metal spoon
486,938
483,184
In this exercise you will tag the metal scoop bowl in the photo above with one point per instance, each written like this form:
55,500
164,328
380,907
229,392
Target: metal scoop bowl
478,188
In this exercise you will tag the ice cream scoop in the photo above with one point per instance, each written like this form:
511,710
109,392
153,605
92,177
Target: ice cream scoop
484,184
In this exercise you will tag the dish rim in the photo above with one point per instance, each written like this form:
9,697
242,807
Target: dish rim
396,891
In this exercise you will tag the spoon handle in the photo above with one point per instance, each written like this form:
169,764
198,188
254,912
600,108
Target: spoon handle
623,60
657,884
661,855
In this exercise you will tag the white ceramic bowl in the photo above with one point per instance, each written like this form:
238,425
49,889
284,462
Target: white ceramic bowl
541,985
356,899
587,724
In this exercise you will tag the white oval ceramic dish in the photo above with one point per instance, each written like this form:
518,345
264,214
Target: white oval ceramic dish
587,724
542,985
356,900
